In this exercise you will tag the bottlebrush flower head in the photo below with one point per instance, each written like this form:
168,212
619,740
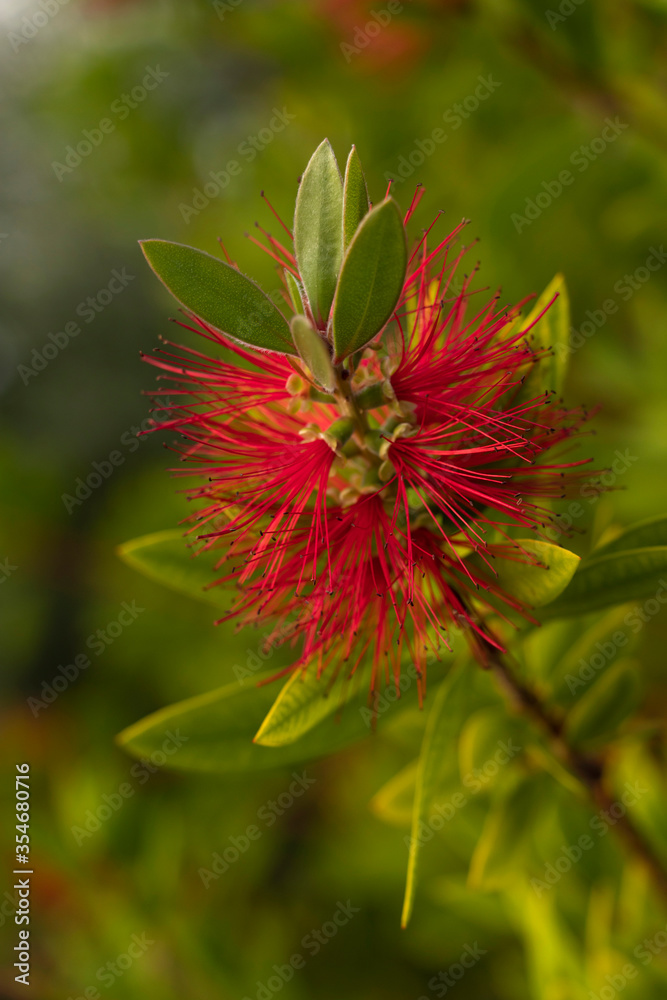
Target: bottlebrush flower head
365,445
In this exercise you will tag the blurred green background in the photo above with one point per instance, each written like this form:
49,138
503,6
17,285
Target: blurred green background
555,74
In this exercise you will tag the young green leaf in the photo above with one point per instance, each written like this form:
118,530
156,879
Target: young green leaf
294,289
220,295
166,557
371,279
318,229
538,584
314,352
355,197
611,579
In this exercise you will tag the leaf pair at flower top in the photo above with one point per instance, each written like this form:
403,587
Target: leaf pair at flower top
351,262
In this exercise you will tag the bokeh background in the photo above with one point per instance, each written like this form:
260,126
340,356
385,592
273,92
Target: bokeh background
555,73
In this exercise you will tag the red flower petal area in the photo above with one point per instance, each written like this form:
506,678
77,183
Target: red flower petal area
369,573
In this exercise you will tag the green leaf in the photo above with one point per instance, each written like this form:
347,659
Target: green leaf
220,295
612,579
318,229
586,639
167,558
394,802
606,704
539,584
217,730
502,845
638,781
540,757
314,352
554,957
551,331
439,740
472,908
481,744
649,533
371,279
355,196
221,724
304,701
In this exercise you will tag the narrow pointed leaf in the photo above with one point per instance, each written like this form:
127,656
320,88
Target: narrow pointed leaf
166,557
294,289
219,727
644,534
606,704
394,802
314,352
318,229
481,740
220,295
355,197
554,956
371,279
581,646
503,844
612,579
217,730
552,330
539,584
444,720
635,763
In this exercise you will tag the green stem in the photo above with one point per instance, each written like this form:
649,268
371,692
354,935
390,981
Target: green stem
588,769
349,407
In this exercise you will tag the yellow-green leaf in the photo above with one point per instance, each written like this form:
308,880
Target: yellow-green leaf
444,721
219,728
537,583
216,732
394,802
304,701
167,558
501,848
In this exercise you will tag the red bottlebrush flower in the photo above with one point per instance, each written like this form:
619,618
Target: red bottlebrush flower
349,512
